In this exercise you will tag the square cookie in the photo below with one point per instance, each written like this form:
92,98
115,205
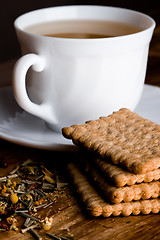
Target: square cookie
97,206
124,137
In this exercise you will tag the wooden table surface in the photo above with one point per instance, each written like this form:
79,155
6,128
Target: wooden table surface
69,217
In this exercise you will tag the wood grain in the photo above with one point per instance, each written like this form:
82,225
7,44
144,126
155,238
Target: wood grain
69,216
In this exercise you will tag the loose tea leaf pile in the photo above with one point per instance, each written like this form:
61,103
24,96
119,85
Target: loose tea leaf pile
26,190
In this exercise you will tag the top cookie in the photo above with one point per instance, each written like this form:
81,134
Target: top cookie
125,137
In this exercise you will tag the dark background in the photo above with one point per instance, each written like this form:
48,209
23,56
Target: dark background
11,9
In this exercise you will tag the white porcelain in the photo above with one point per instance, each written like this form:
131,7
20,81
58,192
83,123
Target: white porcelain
20,127
73,80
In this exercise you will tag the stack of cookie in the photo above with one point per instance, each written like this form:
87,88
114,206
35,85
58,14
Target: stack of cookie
125,168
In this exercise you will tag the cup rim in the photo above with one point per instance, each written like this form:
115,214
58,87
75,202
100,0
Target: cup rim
19,21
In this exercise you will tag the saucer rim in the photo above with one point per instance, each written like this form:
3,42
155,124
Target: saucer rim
65,145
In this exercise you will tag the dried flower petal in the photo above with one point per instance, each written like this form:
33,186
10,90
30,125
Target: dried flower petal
14,198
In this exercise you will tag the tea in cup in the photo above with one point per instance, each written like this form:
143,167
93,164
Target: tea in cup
80,62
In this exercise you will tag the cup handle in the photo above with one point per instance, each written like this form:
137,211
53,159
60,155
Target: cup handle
21,67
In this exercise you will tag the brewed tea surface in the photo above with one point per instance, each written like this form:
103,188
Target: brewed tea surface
82,29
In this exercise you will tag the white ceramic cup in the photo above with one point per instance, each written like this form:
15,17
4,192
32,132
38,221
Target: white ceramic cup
74,80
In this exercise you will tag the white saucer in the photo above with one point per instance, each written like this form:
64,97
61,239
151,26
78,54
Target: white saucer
20,127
